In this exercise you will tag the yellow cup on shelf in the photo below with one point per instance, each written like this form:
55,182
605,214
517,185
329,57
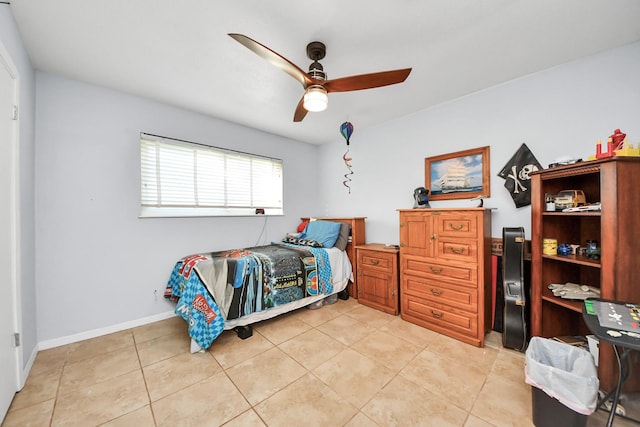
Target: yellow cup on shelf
549,246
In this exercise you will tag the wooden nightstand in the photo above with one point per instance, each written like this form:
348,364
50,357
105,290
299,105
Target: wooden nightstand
378,277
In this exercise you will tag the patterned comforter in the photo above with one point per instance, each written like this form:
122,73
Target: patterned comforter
210,288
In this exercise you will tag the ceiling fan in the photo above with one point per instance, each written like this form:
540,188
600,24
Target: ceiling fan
315,84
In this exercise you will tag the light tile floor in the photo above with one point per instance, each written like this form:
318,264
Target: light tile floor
342,365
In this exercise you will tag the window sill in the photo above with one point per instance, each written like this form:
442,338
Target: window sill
155,212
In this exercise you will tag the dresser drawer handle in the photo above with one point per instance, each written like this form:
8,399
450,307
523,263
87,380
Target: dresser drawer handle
457,250
435,270
375,261
456,227
436,314
435,292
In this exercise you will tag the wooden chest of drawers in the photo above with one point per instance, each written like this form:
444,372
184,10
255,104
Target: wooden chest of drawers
445,271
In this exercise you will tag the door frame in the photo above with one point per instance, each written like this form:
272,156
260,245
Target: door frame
14,203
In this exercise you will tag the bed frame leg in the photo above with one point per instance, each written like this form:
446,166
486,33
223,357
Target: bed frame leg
244,332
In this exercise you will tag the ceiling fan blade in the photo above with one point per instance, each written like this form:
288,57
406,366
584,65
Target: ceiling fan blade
274,58
366,81
301,112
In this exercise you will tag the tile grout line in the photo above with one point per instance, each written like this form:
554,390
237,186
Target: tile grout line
55,401
144,378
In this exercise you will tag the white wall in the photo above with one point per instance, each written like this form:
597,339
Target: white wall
10,39
98,264
559,112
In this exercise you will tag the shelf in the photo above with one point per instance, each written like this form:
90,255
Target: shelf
583,213
566,303
574,259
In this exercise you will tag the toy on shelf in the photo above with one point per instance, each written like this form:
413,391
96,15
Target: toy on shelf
599,154
616,146
627,150
617,137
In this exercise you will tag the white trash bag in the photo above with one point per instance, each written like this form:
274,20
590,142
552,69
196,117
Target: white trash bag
564,372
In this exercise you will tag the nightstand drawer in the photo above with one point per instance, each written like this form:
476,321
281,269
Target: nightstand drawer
378,260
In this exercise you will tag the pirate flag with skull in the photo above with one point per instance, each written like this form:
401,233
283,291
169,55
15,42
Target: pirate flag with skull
516,175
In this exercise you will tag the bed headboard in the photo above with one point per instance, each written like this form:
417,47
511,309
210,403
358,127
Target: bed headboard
357,238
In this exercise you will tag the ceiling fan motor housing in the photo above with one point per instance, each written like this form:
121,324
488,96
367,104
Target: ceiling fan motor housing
315,52
316,71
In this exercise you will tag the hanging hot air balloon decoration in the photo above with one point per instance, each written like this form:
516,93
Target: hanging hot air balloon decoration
346,129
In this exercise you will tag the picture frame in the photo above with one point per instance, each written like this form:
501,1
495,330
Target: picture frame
459,175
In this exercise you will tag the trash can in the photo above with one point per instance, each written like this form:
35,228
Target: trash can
564,383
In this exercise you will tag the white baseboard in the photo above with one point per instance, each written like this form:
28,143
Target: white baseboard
57,342
27,368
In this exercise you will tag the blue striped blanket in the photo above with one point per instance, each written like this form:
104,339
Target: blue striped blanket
210,288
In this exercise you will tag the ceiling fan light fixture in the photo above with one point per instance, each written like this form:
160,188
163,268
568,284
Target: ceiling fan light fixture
315,98
315,81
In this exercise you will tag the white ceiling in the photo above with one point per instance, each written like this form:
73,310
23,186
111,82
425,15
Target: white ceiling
178,52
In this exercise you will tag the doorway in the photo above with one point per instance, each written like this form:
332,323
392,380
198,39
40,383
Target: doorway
9,243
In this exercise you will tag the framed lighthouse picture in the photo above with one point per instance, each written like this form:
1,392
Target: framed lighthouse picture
459,175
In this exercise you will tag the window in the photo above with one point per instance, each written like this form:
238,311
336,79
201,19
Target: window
180,178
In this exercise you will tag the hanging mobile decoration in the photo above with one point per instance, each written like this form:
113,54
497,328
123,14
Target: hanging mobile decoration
346,129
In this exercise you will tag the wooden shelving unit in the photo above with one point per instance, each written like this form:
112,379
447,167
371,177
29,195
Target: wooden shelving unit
613,182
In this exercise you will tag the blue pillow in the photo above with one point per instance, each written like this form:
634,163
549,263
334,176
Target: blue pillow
325,232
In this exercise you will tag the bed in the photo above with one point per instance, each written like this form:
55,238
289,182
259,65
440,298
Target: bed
232,289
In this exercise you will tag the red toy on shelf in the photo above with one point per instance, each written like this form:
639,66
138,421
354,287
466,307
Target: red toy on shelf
616,146
599,154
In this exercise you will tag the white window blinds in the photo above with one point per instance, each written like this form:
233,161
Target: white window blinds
180,178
